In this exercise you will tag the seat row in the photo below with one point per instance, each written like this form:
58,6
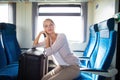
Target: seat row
98,55
9,52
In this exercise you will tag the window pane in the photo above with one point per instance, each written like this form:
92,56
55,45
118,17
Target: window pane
3,12
59,10
71,26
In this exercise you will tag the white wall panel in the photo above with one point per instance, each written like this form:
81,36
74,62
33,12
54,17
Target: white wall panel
24,24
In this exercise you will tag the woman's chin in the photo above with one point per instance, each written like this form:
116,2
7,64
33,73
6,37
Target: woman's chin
50,32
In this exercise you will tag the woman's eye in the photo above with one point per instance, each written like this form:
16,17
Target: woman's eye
51,24
45,26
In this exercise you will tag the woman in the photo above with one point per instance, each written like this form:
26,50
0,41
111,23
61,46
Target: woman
56,45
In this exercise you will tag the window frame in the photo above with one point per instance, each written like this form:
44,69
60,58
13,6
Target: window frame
11,12
75,14
60,14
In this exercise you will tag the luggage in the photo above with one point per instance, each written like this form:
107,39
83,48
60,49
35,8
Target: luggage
33,65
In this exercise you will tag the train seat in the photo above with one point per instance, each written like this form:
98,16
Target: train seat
91,46
106,47
9,52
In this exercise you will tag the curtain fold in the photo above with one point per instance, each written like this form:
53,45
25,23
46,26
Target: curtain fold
12,13
84,8
34,18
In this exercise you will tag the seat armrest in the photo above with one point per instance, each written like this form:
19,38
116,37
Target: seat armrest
84,58
77,51
106,73
24,49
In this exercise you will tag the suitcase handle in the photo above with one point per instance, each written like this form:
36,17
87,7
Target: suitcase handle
33,48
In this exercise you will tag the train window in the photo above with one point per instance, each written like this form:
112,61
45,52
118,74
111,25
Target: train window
3,12
67,19
6,13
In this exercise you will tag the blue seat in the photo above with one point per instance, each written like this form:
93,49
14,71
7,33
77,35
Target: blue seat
3,58
9,52
106,48
10,42
91,46
9,72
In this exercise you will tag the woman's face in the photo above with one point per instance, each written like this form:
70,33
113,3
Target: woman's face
48,26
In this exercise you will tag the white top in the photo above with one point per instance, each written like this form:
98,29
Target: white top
58,59
60,52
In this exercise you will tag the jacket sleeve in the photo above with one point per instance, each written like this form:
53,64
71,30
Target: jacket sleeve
56,46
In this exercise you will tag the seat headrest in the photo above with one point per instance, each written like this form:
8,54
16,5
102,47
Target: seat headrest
7,26
0,27
105,27
104,33
94,28
107,24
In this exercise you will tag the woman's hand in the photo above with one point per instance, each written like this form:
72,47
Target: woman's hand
47,39
38,37
44,33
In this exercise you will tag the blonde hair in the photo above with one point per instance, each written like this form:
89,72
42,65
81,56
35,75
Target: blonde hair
48,19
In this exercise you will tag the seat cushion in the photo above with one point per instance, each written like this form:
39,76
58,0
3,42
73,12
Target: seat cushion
10,42
84,76
9,72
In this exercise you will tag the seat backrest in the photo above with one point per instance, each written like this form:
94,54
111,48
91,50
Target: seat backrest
106,46
3,59
10,42
93,38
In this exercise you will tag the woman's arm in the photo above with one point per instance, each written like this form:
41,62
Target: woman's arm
37,39
45,43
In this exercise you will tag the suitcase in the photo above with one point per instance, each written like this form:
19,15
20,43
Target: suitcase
33,65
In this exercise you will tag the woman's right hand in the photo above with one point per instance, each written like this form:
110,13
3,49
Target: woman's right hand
44,33
38,37
47,38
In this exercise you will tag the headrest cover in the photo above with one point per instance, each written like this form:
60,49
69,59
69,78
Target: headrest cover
7,26
104,33
93,28
107,24
92,31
